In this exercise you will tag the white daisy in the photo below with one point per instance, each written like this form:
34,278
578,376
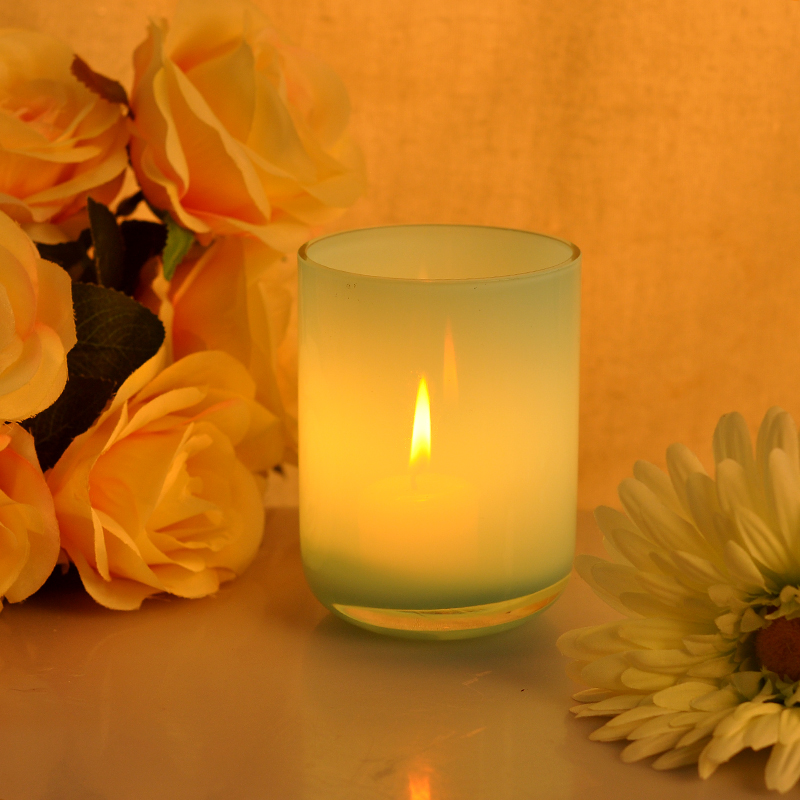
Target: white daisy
707,572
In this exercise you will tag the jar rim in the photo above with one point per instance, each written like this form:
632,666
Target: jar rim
574,257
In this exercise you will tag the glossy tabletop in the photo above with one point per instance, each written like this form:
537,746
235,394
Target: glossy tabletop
257,692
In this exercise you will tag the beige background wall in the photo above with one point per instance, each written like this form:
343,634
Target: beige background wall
661,137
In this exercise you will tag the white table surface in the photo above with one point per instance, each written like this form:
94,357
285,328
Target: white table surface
258,692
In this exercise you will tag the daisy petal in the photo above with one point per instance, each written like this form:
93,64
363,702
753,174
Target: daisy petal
645,681
659,484
751,621
732,442
749,684
646,605
593,695
589,643
642,713
697,569
682,464
680,697
649,747
610,706
583,566
657,726
609,519
680,756
762,731
713,668
662,587
612,733
701,497
658,634
777,432
668,662
722,748
634,548
699,566
659,524
783,489
742,566
717,701
704,645
612,578
762,544
783,767
789,731
606,672
703,726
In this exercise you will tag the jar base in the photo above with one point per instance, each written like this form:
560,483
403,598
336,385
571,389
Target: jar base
451,623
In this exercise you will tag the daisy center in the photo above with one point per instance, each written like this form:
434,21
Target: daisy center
778,647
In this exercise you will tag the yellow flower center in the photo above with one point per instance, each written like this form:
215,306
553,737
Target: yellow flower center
778,647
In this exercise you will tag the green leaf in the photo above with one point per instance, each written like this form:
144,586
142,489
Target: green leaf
143,240
72,256
127,206
74,412
109,246
107,88
116,335
65,254
84,271
179,240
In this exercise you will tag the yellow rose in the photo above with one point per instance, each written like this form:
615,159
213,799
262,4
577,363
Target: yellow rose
37,327
236,131
240,296
158,495
29,543
59,142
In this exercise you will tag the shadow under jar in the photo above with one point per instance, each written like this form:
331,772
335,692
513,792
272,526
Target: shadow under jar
438,408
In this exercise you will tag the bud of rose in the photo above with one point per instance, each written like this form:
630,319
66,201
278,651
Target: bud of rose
29,543
59,141
37,327
237,132
159,494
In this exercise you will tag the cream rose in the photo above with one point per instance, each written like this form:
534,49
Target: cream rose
237,132
29,543
59,142
37,327
240,296
159,494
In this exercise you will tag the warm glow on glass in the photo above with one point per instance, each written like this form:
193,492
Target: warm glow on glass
421,433
449,374
485,323
419,787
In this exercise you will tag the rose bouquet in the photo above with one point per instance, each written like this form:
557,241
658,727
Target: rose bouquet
147,362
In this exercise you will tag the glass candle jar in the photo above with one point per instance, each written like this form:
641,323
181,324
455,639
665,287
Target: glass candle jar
438,409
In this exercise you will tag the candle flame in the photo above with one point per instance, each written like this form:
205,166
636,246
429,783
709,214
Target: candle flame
449,374
421,433
419,787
